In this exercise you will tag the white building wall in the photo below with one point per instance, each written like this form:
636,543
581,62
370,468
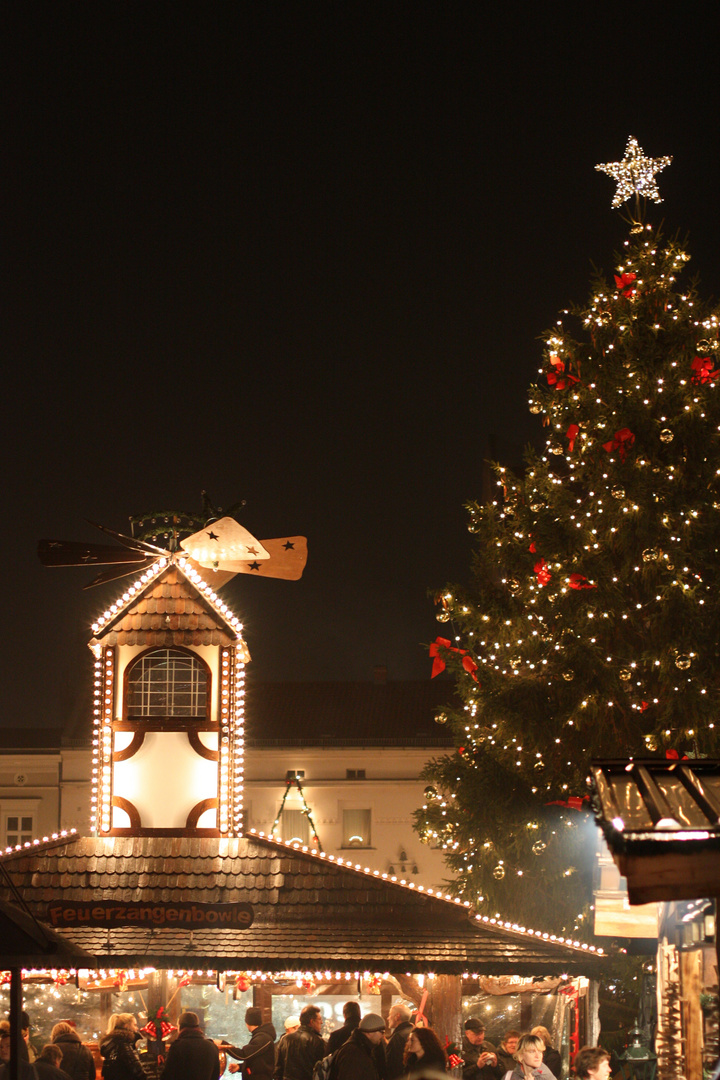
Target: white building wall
54,788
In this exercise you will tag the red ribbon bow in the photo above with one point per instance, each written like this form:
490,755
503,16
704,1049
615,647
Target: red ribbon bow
621,441
575,802
543,574
560,378
579,581
674,756
624,282
571,435
702,370
439,663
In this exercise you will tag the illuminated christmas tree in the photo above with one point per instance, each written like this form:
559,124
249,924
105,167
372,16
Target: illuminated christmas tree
590,626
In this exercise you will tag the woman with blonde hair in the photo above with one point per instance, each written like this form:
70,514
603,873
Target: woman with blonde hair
77,1061
551,1057
121,1060
529,1060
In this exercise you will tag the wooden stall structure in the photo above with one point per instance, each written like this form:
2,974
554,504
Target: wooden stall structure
661,820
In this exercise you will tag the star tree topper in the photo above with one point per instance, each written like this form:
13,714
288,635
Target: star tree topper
635,174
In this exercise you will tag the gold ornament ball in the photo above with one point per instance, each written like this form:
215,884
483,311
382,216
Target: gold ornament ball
682,661
618,493
650,555
535,407
443,616
441,718
539,766
625,674
538,847
666,435
499,872
568,675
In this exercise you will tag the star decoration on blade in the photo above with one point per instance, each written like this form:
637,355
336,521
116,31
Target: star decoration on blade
635,174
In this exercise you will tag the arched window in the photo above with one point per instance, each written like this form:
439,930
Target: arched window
166,682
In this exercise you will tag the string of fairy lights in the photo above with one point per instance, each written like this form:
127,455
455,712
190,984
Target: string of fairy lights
589,627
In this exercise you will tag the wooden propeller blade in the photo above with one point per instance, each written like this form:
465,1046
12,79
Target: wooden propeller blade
129,541
288,556
115,572
70,553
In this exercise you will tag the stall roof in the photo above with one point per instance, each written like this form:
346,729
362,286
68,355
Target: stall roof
28,942
661,820
311,911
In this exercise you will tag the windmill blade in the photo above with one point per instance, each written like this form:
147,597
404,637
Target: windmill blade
224,540
129,541
114,572
70,553
288,556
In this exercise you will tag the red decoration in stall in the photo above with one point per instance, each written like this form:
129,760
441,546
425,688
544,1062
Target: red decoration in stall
243,983
157,1027
621,441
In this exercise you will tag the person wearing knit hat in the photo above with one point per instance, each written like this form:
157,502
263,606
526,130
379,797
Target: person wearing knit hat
256,1057
356,1059
192,1056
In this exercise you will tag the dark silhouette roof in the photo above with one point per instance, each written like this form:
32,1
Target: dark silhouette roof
347,713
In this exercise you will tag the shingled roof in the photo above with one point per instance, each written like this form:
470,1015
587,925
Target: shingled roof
170,610
310,912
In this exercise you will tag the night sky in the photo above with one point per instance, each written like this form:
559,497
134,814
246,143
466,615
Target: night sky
301,254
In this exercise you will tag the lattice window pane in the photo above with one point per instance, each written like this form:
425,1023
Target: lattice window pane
166,682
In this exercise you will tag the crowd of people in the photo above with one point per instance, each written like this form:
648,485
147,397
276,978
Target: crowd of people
362,1048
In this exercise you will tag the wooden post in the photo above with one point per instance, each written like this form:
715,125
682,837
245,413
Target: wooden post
262,998
445,1001
691,985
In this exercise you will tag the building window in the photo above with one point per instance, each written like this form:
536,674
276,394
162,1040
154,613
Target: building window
18,829
295,826
354,774
356,828
167,682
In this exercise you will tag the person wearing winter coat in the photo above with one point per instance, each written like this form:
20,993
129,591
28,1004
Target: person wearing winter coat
479,1057
257,1057
121,1060
77,1061
298,1053
355,1060
400,1028
191,1056
351,1016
